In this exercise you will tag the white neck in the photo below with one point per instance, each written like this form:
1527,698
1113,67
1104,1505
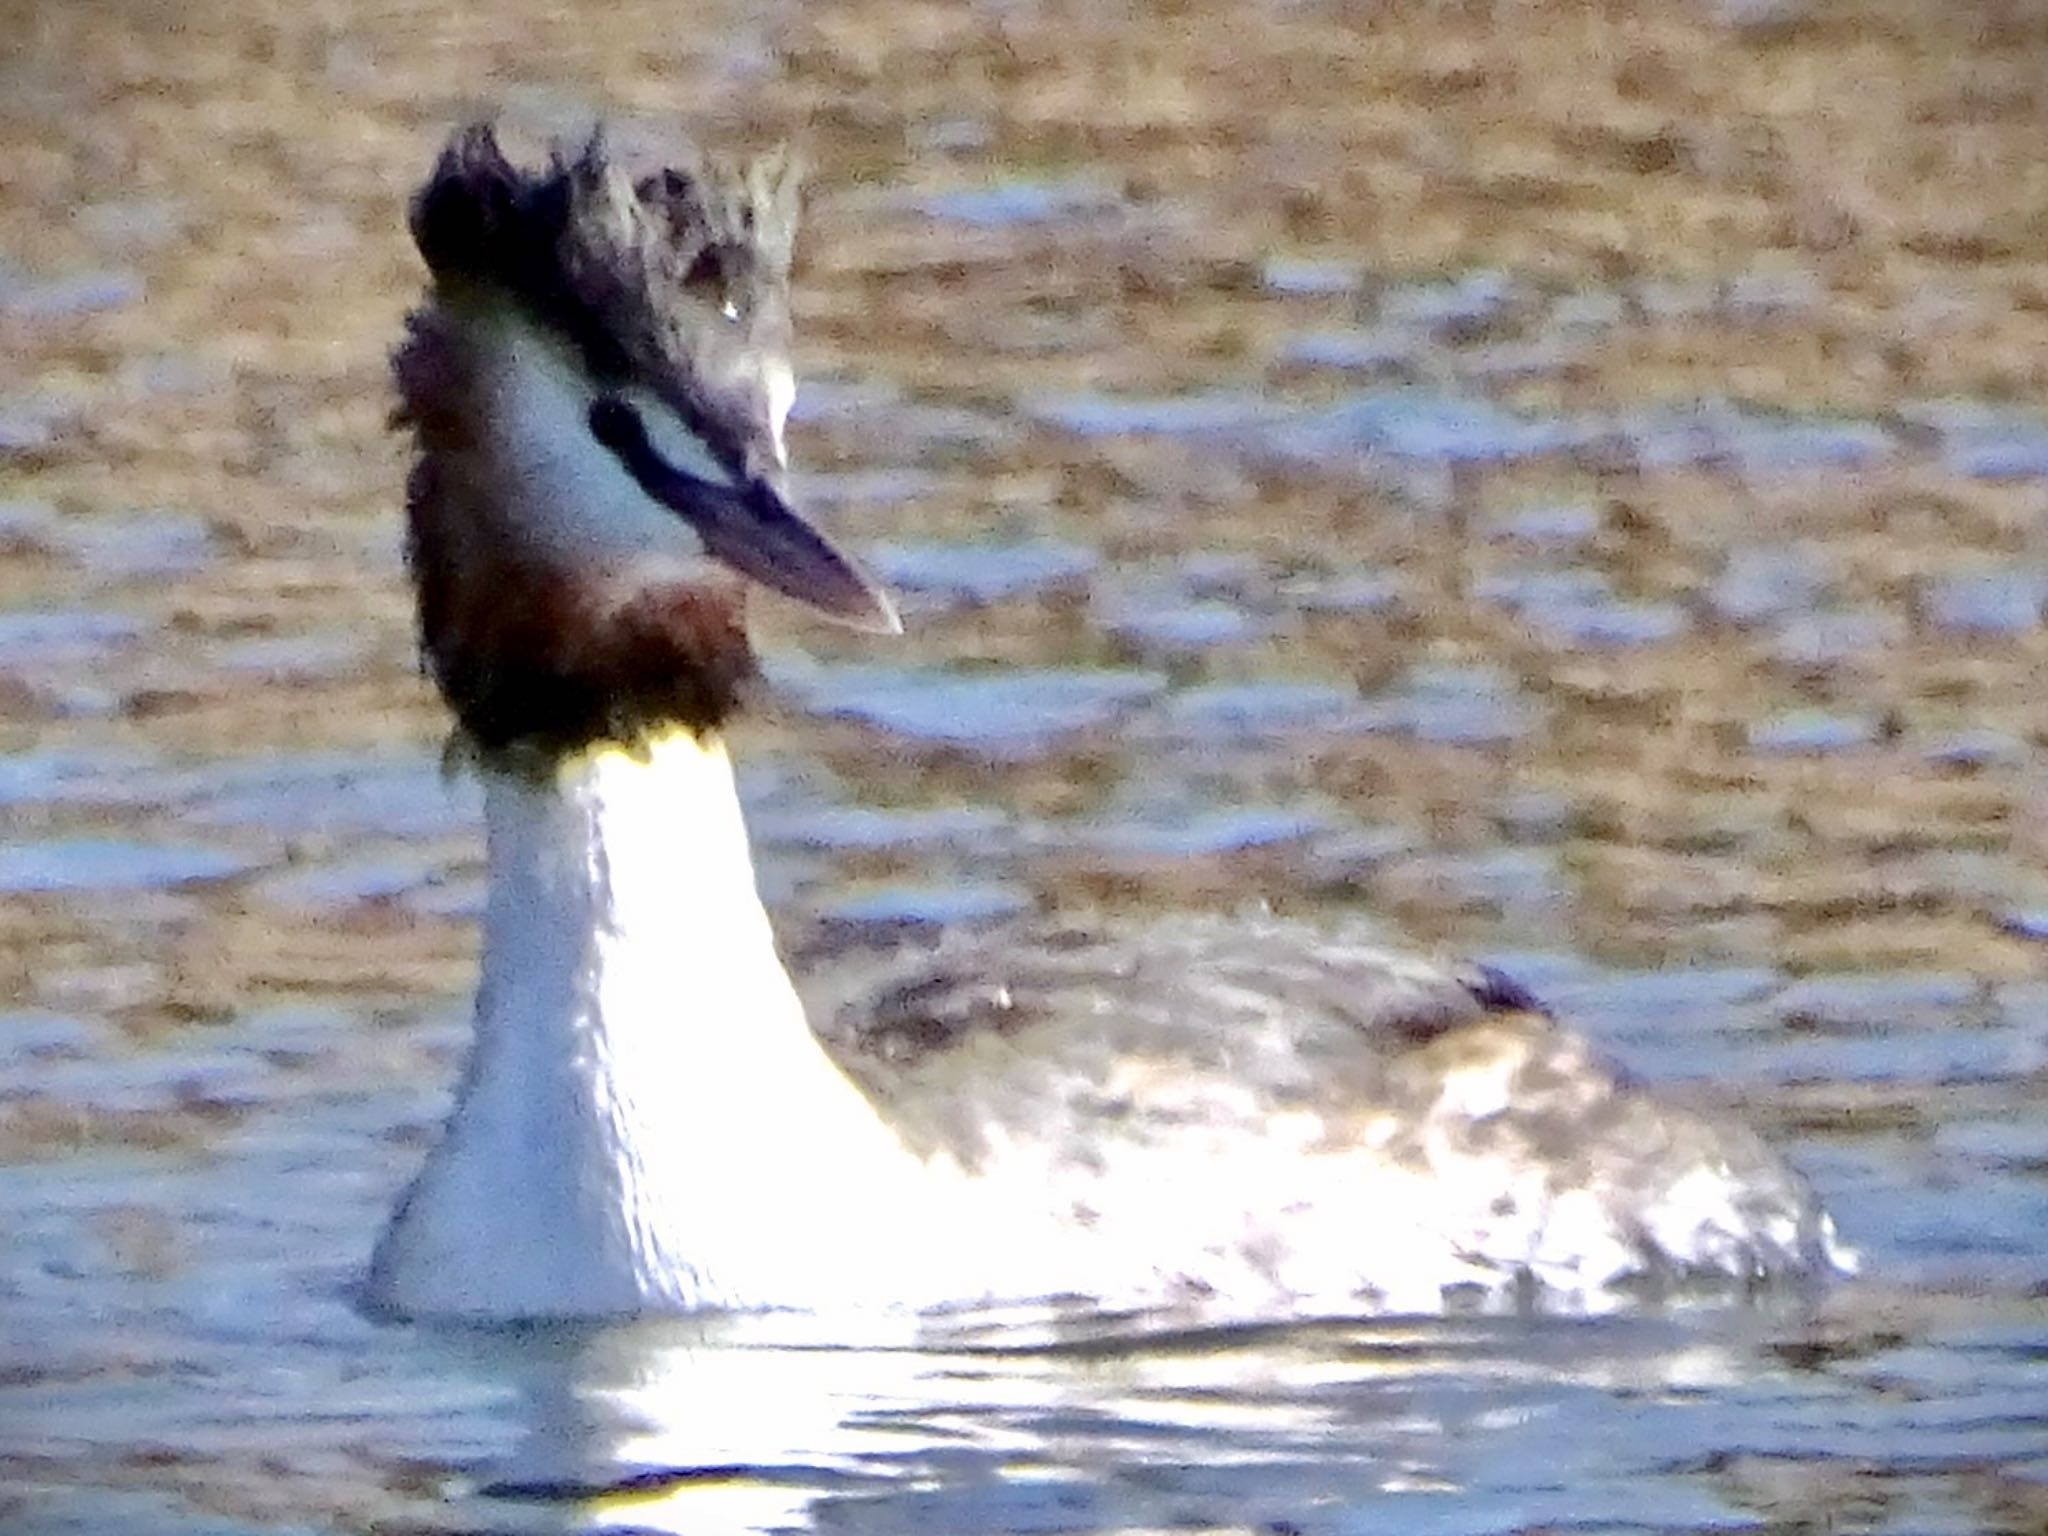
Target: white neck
646,1120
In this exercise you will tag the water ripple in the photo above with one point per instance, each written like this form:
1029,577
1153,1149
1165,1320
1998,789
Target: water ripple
1003,714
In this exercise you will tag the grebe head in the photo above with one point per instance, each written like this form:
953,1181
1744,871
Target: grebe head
598,382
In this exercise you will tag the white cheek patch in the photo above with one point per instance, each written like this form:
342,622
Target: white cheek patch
574,499
680,448
781,396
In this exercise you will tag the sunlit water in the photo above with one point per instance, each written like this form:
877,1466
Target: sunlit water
179,1335
1273,571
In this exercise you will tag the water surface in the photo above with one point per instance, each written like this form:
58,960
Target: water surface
1530,476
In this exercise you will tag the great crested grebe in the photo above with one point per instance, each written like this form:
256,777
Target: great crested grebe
1243,1114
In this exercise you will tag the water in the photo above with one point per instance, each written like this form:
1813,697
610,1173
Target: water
1431,491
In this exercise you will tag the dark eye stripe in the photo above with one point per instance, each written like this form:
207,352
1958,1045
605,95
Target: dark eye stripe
620,429
745,525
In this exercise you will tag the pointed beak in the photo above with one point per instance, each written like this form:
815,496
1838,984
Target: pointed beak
760,535
746,524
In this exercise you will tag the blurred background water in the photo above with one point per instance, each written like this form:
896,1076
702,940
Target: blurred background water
1568,480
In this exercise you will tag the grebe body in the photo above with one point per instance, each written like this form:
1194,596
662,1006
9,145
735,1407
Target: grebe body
1245,1115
